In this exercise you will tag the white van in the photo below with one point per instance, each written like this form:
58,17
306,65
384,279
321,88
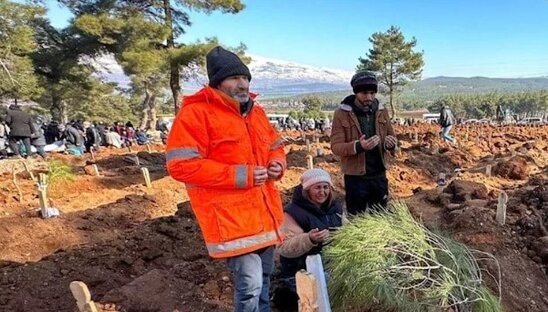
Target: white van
273,119
431,117
530,120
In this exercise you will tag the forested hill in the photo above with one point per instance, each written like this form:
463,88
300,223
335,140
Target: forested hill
420,93
455,85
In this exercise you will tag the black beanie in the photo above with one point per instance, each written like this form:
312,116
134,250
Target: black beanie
222,64
364,81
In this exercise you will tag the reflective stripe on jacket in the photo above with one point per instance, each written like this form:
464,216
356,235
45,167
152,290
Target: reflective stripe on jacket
214,149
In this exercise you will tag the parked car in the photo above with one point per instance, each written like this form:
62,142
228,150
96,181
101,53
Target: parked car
487,121
530,121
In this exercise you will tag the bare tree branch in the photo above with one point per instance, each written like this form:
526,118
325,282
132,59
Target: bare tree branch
13,81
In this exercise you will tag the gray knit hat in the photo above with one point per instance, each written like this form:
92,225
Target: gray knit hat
222,64
313,176
364,81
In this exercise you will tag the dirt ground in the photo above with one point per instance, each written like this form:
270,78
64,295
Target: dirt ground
140,249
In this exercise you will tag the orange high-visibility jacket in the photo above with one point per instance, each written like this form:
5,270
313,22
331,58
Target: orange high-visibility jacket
213,149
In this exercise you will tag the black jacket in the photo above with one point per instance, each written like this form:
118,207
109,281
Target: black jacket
446,117
73,136
20,122
309,216
93,138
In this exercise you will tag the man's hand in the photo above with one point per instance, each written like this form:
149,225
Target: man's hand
316,236
274,170
390,142
259,175
369,144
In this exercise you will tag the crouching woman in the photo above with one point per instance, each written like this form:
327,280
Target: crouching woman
308,218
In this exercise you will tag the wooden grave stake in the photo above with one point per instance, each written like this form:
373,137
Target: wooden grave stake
488,170
28,170
307,292
137,162
129,148
81,293
42,193
307,141
398,152
149,149
309,162
501,208
92,153
95,169
146,175
416,139
14,174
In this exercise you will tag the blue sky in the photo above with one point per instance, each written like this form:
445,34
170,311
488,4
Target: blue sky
465,38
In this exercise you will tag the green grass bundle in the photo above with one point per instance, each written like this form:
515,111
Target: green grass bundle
391,261
58,171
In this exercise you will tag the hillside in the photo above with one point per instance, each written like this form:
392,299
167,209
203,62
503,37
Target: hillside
283,81
418,94
433,88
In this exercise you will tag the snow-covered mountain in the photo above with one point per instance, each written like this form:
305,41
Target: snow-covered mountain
277,77
270,76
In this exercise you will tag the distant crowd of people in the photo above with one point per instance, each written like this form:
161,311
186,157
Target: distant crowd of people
303,123
22,135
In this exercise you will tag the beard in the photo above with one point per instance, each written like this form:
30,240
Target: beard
365,105
241,98
241,95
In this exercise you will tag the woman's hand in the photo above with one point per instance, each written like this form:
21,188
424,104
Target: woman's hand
316,236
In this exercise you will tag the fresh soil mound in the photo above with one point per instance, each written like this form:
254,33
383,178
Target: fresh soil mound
466,190
161,265
151,159
296,158
516,168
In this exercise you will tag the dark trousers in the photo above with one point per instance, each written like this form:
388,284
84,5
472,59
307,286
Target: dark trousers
365,193
13,144
40,151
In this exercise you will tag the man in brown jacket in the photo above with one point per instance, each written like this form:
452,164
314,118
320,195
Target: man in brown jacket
362,136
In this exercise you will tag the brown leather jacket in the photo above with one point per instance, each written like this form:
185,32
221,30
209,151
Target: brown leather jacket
346,131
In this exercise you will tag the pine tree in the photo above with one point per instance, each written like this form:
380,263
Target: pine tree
16,44
58,61
394,59
110,22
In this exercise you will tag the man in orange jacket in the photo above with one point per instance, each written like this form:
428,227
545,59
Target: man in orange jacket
224,149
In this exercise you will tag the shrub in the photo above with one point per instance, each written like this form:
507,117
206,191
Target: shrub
392,261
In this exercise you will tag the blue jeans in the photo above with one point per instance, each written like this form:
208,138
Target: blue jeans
445,134
40,151
252,280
